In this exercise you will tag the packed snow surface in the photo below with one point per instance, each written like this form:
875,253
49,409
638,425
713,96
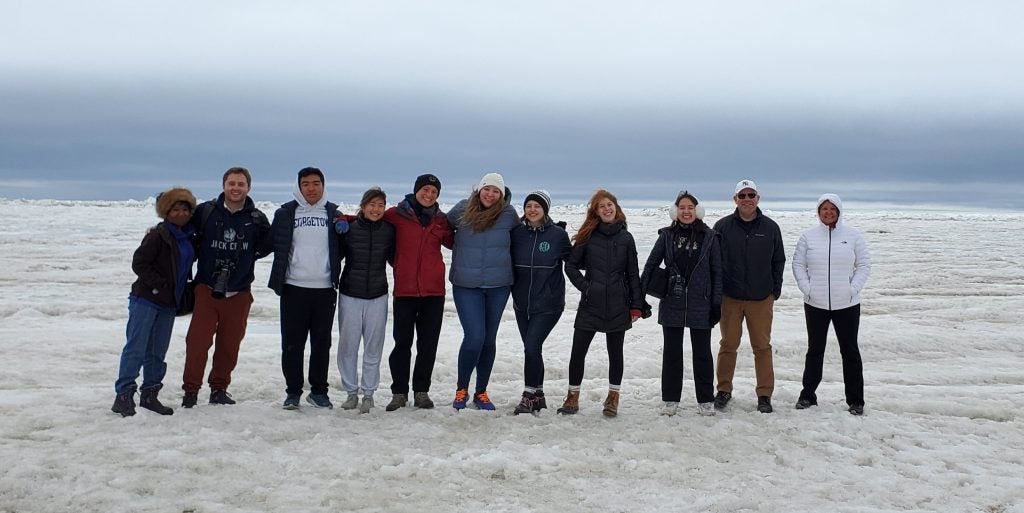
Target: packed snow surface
941,336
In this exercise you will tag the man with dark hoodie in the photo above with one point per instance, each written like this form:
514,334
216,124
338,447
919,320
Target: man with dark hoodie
307,263
753,260
421,228
231,235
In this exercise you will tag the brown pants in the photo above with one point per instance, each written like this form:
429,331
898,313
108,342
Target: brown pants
226,318
759,323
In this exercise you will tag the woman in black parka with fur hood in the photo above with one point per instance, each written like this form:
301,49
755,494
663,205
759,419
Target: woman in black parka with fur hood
692,255
603,266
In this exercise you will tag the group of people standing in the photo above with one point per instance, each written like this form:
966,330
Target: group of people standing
326,261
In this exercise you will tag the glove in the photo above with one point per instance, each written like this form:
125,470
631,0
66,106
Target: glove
340,226
635,313
716,314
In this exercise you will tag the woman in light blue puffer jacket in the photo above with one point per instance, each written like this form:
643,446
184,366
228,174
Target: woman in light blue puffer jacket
481,276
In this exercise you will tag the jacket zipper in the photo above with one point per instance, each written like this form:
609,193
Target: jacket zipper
828,269
686,290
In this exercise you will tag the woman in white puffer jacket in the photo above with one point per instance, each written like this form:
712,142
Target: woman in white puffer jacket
831,266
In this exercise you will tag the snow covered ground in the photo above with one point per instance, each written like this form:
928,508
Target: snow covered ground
941,338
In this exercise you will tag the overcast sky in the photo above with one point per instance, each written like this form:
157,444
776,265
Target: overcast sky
892,101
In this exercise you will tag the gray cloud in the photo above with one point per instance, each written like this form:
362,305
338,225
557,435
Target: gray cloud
127,97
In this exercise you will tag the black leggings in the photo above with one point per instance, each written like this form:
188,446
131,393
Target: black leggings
581,344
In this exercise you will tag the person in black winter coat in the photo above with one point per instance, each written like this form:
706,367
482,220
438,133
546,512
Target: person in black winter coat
368,246
753,262
692,256
539,249
603,267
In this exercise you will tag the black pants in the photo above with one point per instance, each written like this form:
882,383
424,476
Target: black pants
424,315
534,329
846,323
306,313
672,365
578,358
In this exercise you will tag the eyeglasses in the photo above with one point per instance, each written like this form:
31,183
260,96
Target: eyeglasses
750,195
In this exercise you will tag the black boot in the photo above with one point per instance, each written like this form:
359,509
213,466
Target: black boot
527,404
148,400
124,403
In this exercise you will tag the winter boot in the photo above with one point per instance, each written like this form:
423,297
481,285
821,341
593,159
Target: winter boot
189,399
124,403
571,406
422,400
527,404
764,404
149,401
611,404
538,401
397,401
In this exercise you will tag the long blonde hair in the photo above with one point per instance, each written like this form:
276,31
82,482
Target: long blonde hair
593,219
479,217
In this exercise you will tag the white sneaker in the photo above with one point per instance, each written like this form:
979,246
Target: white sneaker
669,408
351,402
367,404
706,409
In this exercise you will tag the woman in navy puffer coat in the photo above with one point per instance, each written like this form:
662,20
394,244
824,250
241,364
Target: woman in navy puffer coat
693,259
539,248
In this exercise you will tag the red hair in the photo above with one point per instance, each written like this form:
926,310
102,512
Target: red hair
593,219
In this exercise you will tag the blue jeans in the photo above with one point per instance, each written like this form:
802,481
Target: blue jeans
480,314
147,335
534,329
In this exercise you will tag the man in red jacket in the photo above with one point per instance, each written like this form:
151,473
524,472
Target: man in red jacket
421,228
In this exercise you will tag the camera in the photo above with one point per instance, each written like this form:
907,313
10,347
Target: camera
223,274
676,286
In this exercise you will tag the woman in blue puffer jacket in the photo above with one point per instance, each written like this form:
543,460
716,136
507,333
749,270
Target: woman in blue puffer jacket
539,249
481,276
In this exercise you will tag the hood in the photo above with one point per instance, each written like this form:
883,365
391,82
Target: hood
304,205
833,199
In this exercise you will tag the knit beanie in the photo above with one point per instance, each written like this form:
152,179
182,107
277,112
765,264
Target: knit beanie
540,196
424,180
493,179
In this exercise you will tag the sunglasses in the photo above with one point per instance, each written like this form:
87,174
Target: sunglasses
749,195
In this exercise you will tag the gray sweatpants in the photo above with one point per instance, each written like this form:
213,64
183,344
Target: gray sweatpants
366,320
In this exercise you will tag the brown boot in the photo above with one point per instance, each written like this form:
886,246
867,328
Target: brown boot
571,405
611,404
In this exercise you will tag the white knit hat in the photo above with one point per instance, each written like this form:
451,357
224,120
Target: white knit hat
493,179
